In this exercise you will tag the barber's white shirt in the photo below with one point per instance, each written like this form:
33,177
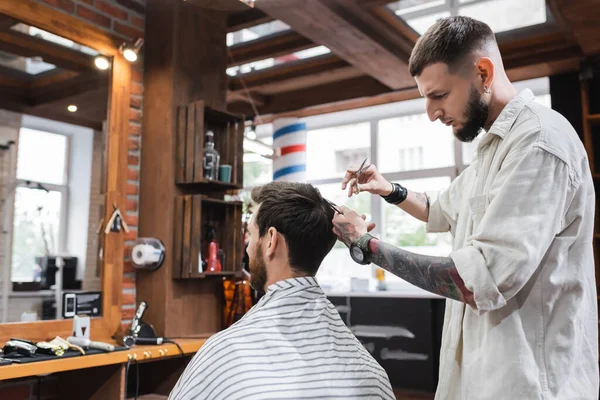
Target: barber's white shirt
291,345
522,218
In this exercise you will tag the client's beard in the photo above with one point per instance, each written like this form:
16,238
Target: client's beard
476,113
258,270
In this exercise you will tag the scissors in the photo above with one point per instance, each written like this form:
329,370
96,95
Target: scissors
360,170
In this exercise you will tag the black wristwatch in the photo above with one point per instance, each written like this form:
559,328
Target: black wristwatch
359,250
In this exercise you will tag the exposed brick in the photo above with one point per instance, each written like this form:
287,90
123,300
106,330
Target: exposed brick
65,5
93,16
111,10
16,392
133,144
133,160
135,102
137,21
127,30
135,129
137,89
131,188
135,115
127,299
131,205
131,235
132,174
131,220
128,266
88,2
127,313
137,76
133,5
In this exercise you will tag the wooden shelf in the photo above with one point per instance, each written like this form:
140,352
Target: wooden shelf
594,118
189,346
208,185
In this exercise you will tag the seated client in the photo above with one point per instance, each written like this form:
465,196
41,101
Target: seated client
292,344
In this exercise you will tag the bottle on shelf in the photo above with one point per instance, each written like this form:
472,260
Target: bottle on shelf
211,158
213,261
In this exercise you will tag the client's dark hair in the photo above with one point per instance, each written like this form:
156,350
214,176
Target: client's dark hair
302,216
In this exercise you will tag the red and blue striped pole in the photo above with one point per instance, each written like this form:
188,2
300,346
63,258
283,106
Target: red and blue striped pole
289,137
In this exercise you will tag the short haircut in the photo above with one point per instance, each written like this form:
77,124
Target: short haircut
450,41
302,216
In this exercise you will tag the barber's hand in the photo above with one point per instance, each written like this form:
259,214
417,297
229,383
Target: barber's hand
349,226
369,181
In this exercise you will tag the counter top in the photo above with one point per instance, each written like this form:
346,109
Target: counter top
142,353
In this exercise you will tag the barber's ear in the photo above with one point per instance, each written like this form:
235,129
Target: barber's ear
486,69
272,242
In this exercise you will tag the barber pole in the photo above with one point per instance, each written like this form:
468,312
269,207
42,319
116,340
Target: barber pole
289,140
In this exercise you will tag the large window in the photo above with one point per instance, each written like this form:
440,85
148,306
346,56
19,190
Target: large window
500,15
407,148
40,199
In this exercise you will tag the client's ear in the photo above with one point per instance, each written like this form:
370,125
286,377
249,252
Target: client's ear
272,241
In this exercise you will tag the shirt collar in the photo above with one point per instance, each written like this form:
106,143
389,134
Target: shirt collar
303,281
509,114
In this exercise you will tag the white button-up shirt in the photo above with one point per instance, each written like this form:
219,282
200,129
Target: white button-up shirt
522,217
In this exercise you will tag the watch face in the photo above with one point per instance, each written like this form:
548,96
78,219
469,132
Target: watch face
357,254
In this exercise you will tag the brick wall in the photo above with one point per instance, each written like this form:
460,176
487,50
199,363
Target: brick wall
124,18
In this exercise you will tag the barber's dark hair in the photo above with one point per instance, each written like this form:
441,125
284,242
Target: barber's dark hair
449,40
302,216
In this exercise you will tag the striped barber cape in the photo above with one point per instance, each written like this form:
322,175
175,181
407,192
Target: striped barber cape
291,345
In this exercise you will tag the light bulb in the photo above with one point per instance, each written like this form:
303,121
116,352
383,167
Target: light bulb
101,62
130,55
72,108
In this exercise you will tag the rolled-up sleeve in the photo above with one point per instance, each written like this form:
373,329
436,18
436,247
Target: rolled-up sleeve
513,232
443,212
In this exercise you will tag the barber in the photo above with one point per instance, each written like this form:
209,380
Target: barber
521,321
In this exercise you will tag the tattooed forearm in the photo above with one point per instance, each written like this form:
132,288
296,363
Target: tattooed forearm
437,275
424,200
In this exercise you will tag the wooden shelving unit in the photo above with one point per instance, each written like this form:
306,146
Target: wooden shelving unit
590,104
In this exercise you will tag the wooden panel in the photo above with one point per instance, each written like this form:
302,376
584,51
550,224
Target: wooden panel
189,346
187,233
81,84
93,384
190,142
271,46
337,28
180,139
196,237
247,19
579,18
178,237
198,141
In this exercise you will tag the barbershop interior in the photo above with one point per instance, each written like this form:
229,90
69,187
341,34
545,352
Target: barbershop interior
136,134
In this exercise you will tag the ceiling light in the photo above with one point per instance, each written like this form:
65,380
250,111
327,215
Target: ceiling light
101,62
131,52
72,108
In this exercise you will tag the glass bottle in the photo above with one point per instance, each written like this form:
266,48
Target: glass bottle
211,158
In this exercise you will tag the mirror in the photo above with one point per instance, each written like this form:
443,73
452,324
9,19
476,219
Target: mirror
53,111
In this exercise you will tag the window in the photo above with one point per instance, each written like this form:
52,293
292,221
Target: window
40,199
256,32
346,158
412,142
325,147
500,15
271,62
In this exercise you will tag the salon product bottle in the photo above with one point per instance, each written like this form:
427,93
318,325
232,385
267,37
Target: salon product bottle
211,158
213,262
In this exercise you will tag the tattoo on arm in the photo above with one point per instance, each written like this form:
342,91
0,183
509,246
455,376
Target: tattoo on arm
437,275
424,199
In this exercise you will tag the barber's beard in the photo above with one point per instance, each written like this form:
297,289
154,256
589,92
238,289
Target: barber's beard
258,270
476,115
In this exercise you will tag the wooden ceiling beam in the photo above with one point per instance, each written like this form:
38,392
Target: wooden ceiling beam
6,22
247,19
271,46
258,80
580,18
65,89
343,28
29,46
